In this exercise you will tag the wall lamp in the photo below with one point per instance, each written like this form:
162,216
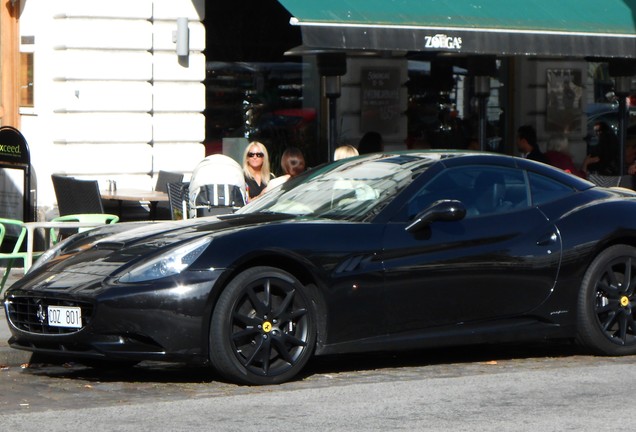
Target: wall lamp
182,37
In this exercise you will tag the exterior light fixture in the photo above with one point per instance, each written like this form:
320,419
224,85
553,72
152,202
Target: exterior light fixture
182,37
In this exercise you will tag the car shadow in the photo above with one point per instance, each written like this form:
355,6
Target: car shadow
160,372
442,356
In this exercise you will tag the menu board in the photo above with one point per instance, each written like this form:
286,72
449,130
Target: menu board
380,99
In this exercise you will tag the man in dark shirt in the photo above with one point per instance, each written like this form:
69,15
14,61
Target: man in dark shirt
527,144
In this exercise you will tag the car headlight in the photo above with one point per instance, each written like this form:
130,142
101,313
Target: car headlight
169,263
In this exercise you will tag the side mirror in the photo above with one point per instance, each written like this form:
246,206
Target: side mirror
442,210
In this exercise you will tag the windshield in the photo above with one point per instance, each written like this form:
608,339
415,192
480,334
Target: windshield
353,189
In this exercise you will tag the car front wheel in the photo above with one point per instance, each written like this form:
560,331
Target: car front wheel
263,327
607,303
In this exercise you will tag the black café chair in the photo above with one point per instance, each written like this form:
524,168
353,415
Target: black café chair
164,209
179,202
77,197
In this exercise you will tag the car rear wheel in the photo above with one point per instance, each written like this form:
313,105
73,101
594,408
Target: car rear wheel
263,327
607,303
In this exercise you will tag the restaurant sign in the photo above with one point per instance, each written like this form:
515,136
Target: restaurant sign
442,41
13,147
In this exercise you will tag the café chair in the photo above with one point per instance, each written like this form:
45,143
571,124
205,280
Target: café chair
625,181
179,203
163,209
96,218
75,196
15,254
165,177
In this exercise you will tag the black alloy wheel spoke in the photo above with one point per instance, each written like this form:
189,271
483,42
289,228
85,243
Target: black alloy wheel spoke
261,306
609,320
609,290
245,320
627,278
261,352
620,335
268,295
622,328
245,336
630,323
289,339
613,281
282,350
285,304
611,306
265,353
291,316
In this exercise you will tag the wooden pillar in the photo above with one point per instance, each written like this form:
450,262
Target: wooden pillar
9,63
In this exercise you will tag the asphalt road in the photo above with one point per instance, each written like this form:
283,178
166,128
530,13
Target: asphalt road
544,387
521,388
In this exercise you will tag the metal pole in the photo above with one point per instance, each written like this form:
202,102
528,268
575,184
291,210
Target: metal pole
483,122
622,132
333,133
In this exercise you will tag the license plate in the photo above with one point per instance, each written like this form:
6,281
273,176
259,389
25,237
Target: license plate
63,316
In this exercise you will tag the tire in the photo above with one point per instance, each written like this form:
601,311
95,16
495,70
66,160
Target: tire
607,303
263,328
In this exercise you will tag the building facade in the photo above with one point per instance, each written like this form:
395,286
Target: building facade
119,90
108,91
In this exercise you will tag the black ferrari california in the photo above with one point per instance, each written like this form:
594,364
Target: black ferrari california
390,251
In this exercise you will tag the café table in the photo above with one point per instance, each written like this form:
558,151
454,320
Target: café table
32,226
136,195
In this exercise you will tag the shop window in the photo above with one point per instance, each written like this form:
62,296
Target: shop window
26,79
260,101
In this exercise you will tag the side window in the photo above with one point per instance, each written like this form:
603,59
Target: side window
482,189
544,189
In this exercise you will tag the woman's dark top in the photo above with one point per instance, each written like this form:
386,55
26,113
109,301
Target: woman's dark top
254,188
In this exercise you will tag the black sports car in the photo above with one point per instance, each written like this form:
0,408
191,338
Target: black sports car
381,252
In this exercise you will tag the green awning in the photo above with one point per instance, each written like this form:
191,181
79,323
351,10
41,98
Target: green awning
576,28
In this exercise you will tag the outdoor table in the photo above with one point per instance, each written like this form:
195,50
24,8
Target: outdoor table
136,195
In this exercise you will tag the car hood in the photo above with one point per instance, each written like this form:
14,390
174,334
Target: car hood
109,250
165,233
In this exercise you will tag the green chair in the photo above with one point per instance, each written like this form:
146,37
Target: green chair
15,254
96,218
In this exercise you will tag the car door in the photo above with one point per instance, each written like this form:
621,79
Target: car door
500,260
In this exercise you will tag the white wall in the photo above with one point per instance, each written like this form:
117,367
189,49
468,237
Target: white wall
112,98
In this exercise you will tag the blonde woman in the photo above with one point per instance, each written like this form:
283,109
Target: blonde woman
256,169
344,151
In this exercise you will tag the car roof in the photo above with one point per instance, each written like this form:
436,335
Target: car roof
451,158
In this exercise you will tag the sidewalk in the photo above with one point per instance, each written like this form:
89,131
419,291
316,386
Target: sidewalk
9,356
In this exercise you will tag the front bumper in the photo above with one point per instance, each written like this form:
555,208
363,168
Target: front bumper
167,320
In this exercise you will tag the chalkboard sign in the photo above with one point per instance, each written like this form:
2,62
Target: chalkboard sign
14,154
380,99
13,147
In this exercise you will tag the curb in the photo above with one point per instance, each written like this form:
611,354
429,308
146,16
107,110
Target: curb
10,357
